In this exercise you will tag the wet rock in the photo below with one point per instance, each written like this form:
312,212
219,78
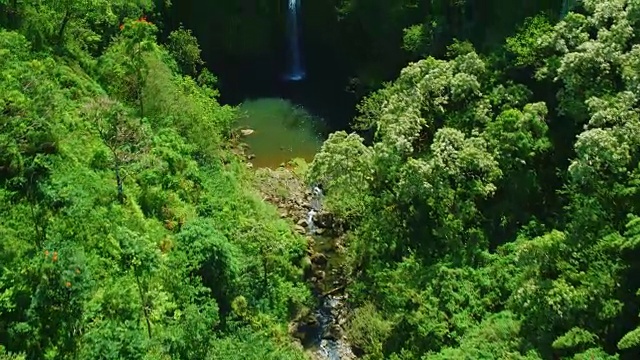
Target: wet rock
303,223
311,321
329,335
320,231
325,220
319,259
246,132
251,156
300,230
249,165
296,330
335,331
342,321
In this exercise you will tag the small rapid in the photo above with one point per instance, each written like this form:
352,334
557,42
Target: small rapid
330,345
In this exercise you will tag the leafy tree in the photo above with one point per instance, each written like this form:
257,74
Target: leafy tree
123,135
185,49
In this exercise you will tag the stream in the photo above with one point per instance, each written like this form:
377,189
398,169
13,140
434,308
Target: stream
277,132
326,338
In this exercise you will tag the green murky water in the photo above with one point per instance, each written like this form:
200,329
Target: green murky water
282,131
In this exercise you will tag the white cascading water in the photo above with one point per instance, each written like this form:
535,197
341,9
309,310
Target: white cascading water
296,71
328,349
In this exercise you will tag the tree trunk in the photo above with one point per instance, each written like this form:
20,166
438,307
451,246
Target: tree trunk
145,311
63,26
119,182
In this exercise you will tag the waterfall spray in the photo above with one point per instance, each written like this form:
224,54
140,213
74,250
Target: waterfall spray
296,71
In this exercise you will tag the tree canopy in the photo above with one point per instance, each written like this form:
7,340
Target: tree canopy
494,213
490,192
129,230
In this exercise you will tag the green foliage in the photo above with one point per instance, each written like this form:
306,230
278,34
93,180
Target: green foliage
341,157
497,202
525,44
574,337
493,214
416,39
185,49
368,330
495,338
128,229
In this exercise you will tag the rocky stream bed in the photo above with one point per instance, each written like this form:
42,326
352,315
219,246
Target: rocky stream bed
320,331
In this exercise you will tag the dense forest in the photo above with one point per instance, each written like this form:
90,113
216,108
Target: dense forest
488,187
127,228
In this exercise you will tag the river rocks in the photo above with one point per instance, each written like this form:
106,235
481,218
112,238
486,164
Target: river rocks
334,332
319,259
301,329
246,132
325,220
300,229
323,328
284,189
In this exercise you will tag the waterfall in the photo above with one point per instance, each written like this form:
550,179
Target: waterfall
296,71
316,205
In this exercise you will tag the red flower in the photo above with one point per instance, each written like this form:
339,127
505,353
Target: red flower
121,27
143,19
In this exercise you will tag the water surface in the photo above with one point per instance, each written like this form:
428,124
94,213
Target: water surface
282,131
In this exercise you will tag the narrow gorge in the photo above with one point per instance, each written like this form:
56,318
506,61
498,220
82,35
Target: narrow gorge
320,330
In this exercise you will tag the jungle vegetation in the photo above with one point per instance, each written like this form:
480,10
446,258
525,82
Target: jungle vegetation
491,190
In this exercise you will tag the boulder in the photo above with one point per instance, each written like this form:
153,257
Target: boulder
325,220
300,230
334,332
303,223
319,259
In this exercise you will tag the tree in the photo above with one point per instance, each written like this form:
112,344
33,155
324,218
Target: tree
185,49
123,135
